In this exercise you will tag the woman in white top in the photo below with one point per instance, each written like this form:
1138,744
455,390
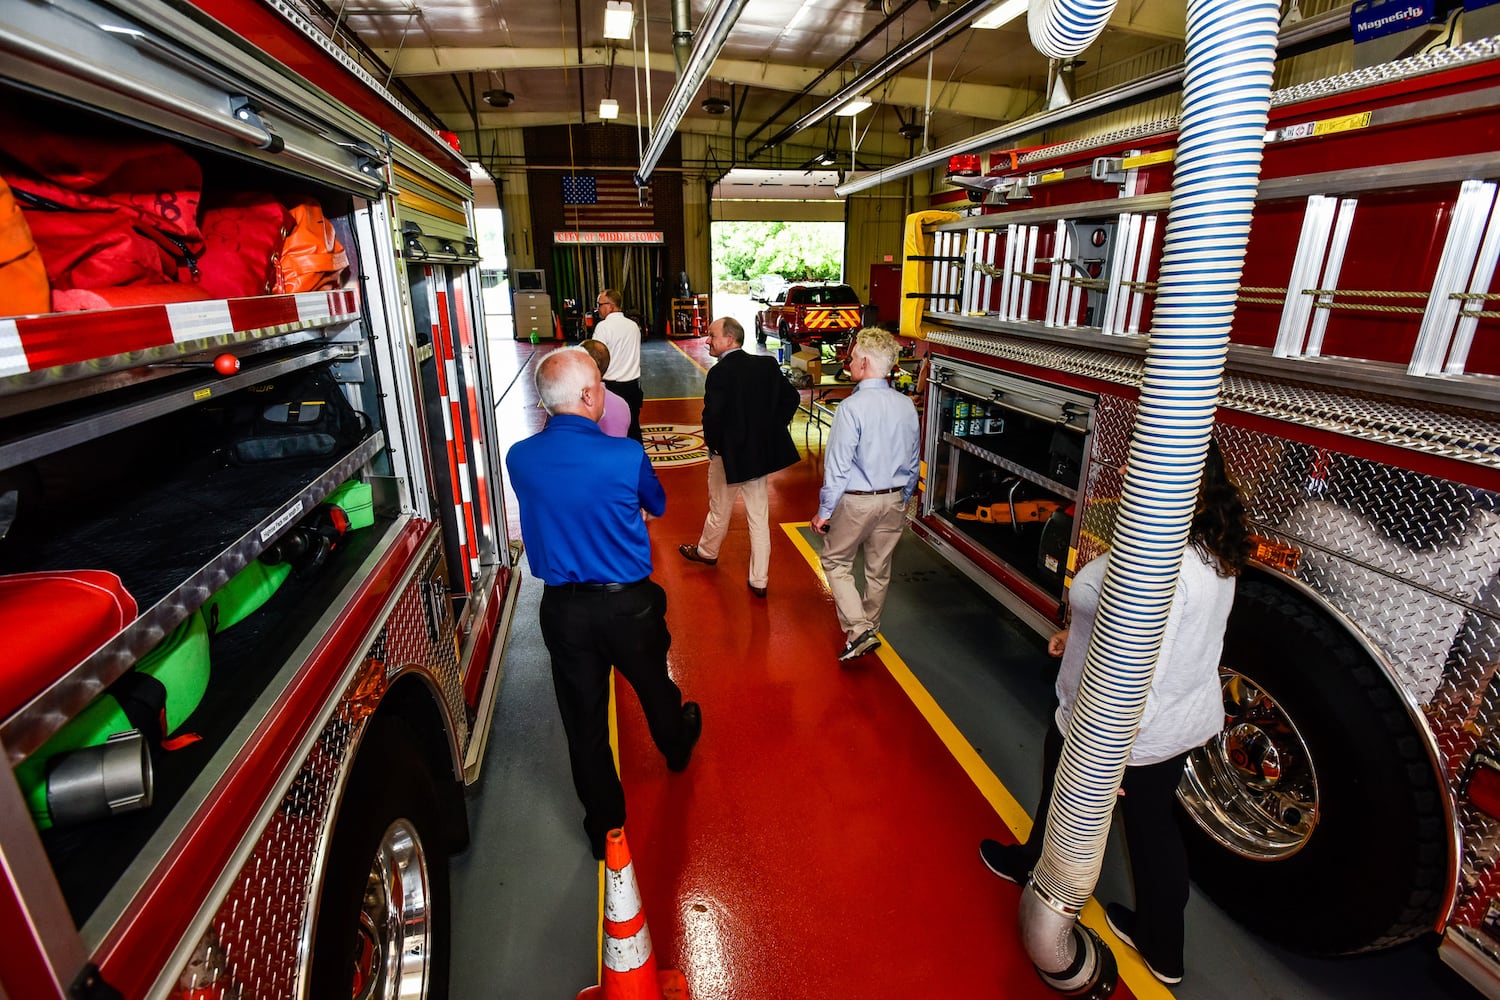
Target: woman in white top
1184,710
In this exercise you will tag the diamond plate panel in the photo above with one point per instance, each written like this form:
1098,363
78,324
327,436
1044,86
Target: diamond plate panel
1465,435
259,933
1412,561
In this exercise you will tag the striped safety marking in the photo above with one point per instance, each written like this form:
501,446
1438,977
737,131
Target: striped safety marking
831,319
37,343
453,422
471,387
627,939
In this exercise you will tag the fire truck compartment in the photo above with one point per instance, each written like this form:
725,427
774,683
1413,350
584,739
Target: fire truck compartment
1008,458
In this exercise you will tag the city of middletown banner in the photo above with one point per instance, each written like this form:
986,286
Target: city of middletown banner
609,201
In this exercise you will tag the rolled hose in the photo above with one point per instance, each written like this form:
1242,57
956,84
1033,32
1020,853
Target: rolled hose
1231,49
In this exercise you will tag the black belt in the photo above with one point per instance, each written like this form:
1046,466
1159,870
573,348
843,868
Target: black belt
597,588
873,493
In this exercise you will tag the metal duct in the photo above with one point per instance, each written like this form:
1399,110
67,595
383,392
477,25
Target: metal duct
710,39
682,31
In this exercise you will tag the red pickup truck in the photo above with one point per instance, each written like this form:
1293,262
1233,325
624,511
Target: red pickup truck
810,314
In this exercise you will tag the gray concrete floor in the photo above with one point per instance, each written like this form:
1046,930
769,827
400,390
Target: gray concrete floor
526,892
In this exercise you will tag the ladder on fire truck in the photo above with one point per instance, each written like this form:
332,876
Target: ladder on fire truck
988,266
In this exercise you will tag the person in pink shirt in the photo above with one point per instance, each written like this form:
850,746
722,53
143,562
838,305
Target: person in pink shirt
616,419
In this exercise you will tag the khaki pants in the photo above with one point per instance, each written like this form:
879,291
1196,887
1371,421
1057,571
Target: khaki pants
868,524
721,509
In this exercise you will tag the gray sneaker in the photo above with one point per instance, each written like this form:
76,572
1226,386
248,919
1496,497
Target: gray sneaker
865,642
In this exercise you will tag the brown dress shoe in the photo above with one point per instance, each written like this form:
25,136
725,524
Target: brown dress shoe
690,552
758,591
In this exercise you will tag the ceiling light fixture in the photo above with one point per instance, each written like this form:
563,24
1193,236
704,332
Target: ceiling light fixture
609,108
715,105
1002,14
619,19
854,107
499,98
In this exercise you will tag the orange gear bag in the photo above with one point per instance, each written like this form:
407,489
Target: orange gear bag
23,275
312,258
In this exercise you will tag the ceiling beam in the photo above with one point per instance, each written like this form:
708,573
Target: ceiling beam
1155,20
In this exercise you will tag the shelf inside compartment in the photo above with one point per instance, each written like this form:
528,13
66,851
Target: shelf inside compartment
1019,516
89,860
63,346
158,506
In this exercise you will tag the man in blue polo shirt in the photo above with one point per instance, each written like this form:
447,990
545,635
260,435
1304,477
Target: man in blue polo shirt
582,494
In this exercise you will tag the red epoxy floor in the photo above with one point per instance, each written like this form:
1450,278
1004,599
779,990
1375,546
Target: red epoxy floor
823,842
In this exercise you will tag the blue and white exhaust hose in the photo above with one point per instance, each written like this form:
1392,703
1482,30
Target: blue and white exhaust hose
1061,29
1231,51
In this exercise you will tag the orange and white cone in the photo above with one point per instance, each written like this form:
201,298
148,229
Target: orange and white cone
629,965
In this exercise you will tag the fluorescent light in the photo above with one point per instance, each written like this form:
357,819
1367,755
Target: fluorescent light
619,19
609,108
1001,14
854,107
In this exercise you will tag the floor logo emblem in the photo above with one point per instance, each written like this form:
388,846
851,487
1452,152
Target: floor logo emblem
674,445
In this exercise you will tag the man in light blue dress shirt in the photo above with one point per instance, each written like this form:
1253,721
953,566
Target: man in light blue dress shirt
869,473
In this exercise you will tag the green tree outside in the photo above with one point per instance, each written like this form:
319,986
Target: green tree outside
806,251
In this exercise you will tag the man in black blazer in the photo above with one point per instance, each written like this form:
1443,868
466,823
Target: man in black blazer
747,405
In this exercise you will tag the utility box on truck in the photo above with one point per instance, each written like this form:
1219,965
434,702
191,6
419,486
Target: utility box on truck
249,486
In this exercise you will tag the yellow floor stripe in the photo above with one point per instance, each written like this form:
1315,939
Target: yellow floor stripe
678,348
1011,813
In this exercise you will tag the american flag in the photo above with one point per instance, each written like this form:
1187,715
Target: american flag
607,202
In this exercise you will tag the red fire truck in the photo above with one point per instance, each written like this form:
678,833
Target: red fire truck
1351,802
250,406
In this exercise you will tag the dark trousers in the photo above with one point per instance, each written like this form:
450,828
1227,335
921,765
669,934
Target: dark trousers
586,632
1158,858
630,391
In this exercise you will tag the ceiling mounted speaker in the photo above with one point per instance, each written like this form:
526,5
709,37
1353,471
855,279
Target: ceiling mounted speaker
715,105
498,98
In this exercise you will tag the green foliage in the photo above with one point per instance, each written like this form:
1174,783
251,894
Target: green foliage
812,251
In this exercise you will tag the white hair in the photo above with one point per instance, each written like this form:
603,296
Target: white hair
560,382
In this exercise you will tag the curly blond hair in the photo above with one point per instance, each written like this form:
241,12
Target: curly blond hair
878,345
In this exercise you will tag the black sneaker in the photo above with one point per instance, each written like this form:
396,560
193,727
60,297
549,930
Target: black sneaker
1121,920
1009,861
692,728
865,642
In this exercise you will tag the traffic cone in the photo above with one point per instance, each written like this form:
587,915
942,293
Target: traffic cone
629,965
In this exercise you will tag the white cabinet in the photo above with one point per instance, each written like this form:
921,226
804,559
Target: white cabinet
533,312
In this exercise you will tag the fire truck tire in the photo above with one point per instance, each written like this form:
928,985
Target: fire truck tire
388,843
785,336
1319,786
760,330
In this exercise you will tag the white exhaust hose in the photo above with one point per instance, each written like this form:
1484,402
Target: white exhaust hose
1231,51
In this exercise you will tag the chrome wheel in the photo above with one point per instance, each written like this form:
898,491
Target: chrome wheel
394,947
1253,788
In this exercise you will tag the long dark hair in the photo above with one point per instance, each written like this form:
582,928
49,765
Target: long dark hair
1220,527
